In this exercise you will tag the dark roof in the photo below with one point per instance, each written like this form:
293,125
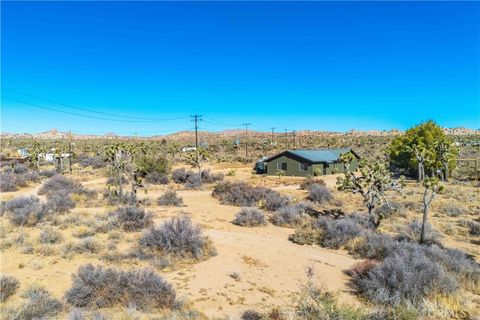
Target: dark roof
315,156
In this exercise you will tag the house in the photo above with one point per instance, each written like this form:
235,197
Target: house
309,162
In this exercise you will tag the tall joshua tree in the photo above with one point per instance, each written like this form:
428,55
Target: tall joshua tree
372,183
432,187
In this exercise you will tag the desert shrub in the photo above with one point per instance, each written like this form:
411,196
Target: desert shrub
293,215
209,177
304,236
316,303
406,277
361,269
87,245
237,193
50,236
305,185
8,287
274,201
473,228
251,315
391,209
132,218
101,288
178,237
374,246
20,168
8,182
77,314
463,267
337,233
96,162
413,230
25,211
452,210
156,178
194,181
39,305
180,175
170,198
58,183
48,173
152,163
31,176
60,202
250,217
319,194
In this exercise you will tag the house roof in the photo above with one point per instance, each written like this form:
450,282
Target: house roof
315,156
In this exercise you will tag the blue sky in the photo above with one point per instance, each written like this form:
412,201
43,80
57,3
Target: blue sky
308,65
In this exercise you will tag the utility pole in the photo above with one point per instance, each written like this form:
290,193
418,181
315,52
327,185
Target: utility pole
294,140
196,118
70,156
286,138
273,135
246,138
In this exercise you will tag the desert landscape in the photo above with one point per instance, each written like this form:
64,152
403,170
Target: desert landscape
257,265
239,160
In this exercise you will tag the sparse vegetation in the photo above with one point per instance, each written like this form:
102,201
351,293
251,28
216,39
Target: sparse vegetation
177,237
38,304
101,288
170,198
406,277
319,194
59,202
250,217
25,211
8,287
293,215
131,218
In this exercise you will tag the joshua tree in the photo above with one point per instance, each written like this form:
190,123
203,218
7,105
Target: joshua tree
444,155
197,158
347,158
121,157
372,183
432,187
35,154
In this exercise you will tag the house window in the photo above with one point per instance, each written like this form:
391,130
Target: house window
303,166
282,166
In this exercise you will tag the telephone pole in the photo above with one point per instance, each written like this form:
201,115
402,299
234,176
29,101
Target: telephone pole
246,138
196,118
286,138
70,156
294,140
273,135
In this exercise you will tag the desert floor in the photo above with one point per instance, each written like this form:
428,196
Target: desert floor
271,267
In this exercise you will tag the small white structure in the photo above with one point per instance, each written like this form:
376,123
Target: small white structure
188,149
23,153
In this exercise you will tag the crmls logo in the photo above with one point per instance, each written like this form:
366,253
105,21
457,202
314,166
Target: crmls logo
436,314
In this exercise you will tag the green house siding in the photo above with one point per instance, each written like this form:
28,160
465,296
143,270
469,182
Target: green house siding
293,167
313,169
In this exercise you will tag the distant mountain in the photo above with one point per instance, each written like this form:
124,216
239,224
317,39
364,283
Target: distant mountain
230,134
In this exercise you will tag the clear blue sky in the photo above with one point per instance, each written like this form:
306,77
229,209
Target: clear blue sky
309,65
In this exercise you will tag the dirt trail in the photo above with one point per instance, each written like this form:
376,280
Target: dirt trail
270,266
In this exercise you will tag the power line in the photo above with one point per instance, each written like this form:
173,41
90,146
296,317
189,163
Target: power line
246,138
196,118
223,123
273,135
92,111
83,115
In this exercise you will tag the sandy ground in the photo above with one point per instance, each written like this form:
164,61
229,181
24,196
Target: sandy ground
271,267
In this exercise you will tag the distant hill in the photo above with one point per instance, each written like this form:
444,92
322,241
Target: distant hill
230,134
